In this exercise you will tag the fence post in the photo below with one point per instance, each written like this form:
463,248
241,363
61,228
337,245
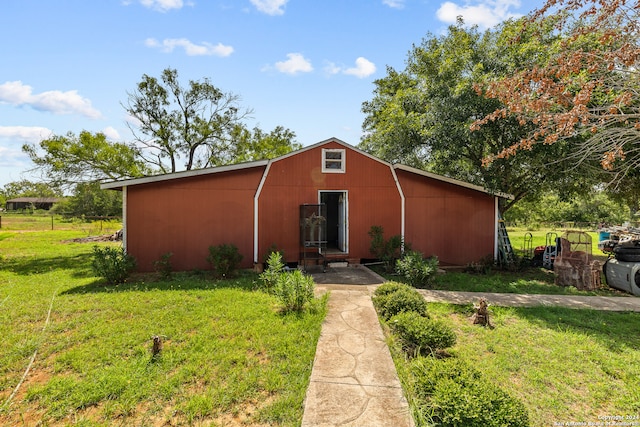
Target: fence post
51,222
0,221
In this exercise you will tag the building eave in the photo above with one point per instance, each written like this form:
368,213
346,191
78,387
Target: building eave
452,181
118,185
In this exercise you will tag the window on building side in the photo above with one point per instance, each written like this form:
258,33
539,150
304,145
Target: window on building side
333,160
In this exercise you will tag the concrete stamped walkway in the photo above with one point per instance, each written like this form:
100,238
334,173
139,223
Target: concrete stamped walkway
354,381
517,300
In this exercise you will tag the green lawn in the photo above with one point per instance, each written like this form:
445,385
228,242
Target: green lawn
229,355
565,365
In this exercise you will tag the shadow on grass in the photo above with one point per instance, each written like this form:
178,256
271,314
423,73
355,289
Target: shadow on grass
617,330
179,282
80,264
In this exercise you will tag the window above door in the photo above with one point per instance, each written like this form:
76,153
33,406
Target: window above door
333,160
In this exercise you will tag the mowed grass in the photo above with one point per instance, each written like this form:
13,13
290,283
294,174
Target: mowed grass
229,355
566,366
45,221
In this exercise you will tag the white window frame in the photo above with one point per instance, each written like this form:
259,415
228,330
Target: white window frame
342,161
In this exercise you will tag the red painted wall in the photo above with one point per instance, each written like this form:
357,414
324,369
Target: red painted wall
373,199
185,216
454,223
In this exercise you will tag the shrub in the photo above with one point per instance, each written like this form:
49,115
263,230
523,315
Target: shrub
112,264
400,301
294,290
389,288
163,265
420,335
275,267
455,394
417,270
386,251
224,259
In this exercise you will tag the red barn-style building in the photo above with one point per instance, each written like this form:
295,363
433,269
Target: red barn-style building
256,206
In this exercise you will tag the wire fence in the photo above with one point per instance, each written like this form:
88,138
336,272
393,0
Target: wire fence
42,222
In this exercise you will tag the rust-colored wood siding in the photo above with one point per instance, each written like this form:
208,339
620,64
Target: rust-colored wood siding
454,223
373,199
185,216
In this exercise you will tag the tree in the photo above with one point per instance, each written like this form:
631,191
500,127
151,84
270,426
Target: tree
587,87
67,160
89,200
250,145
26,188
198,124
422,115
190,123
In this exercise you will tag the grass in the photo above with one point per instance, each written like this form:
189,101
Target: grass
229,356
565,365
45,221
539,238
529,281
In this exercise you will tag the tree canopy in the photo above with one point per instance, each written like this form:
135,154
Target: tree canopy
422,116
198,124
586,87
174,123
87,157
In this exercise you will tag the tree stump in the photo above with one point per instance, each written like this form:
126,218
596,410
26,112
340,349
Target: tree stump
482,313
157,345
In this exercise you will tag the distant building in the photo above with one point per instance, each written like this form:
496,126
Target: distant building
19,203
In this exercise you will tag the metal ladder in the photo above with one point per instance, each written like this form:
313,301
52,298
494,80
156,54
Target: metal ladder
506,255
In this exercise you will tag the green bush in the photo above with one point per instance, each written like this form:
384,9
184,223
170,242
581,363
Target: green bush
163,265
224,259
389,288
275,268
112,264
420,335
403,300
294,290
417,270
387,251
453,394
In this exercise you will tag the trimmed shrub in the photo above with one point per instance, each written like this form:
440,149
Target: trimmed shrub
417,270
454,394
275,267
294,290
403,300
420,335
224,259
389,288
112,264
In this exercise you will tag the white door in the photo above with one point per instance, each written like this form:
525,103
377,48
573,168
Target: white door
342,222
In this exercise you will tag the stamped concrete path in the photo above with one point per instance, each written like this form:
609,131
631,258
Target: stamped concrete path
354,381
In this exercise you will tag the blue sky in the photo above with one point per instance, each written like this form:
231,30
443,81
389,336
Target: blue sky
307,65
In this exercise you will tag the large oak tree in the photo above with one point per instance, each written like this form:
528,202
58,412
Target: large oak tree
422,116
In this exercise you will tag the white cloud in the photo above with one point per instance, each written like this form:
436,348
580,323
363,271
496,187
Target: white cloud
364,68
30,134
484,14
111,133
191,49
394,4
55,101
294,65
270,7
162,5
